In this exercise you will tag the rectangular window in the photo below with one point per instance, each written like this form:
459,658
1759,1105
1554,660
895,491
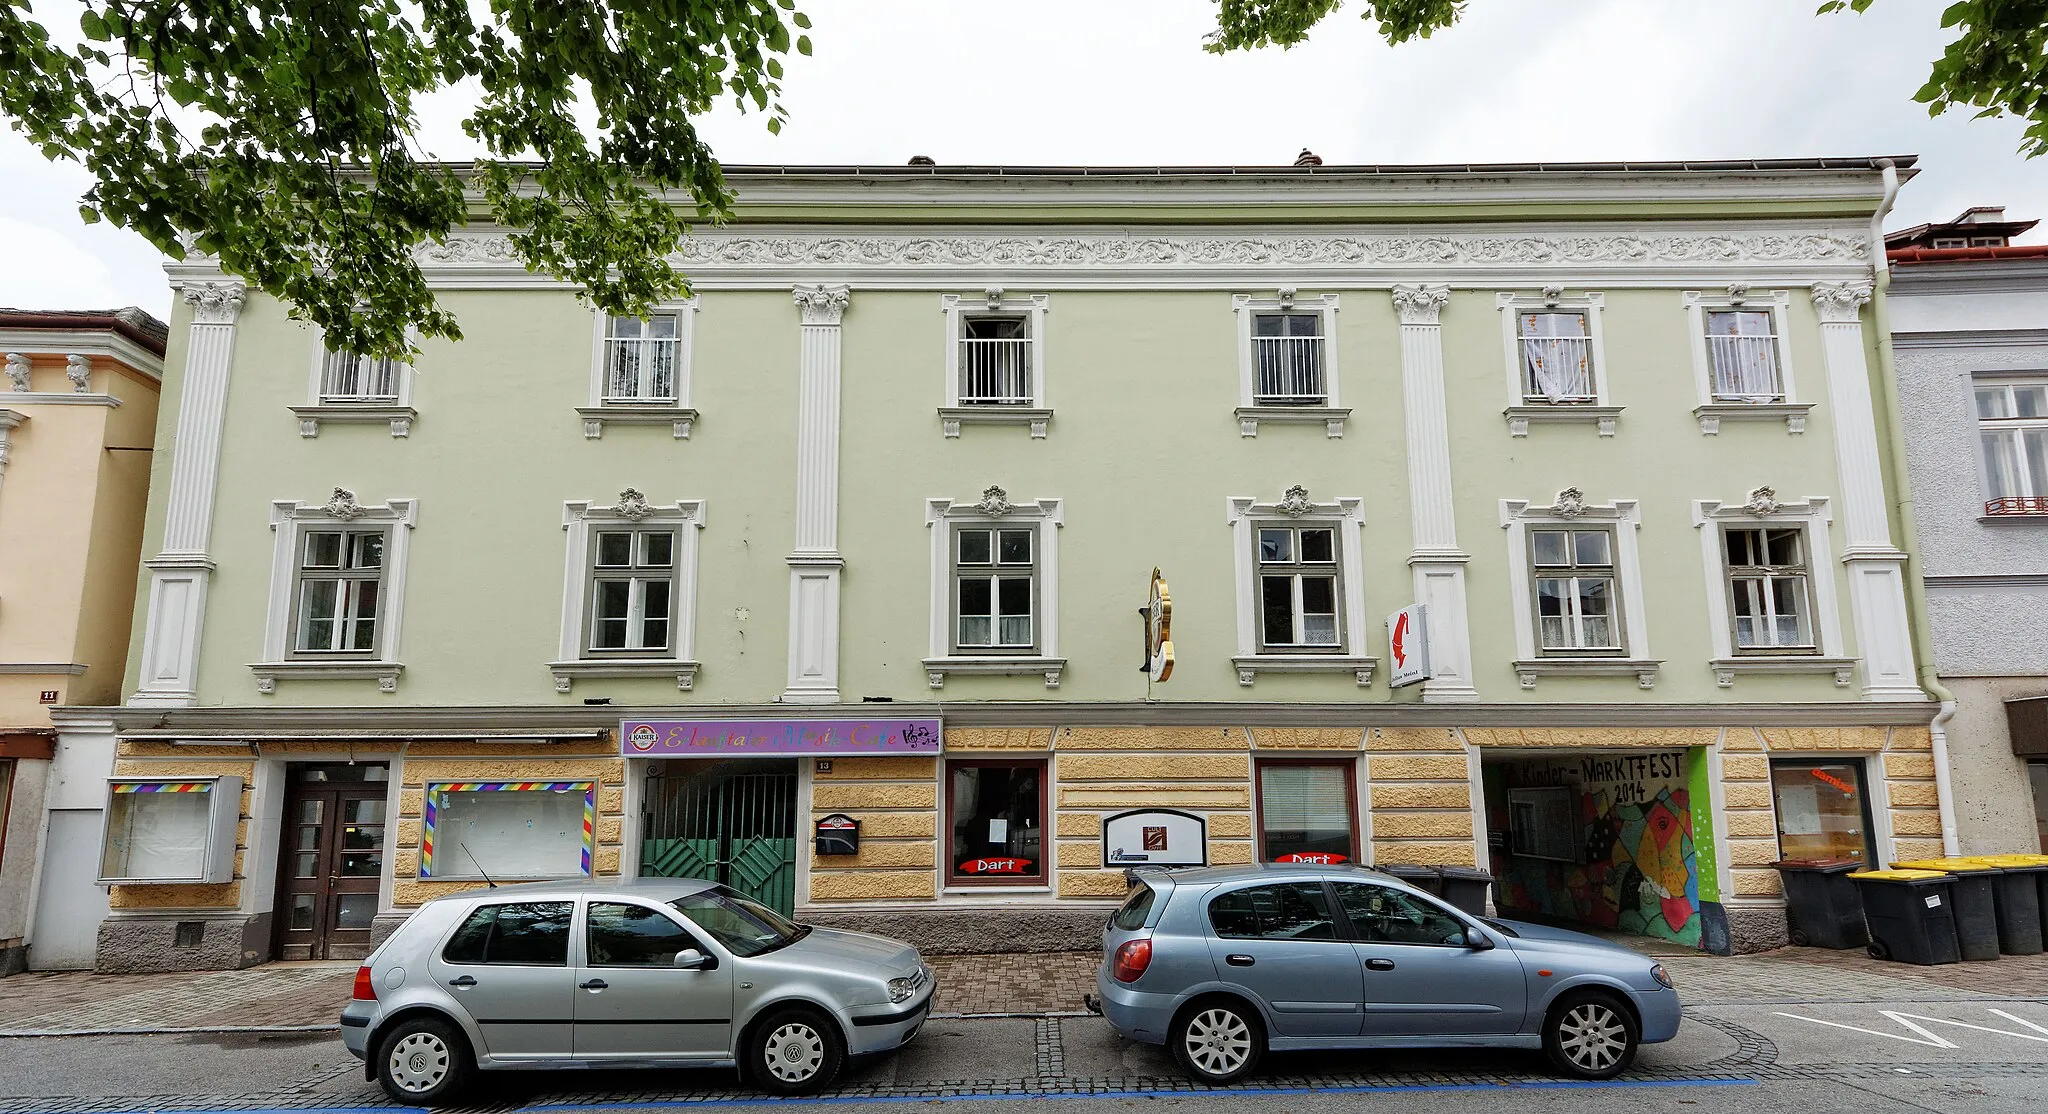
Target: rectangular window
995,822
506,830
1287,359
1307,812
340,591
1823,811
995,590
2012,431
1742,350
1576,602
346,377
640,356
632,591
1557,358
1298,589
1769,591
995,361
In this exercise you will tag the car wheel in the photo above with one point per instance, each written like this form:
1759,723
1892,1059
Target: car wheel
1590,1036
1218,1041
423,1061
795,1052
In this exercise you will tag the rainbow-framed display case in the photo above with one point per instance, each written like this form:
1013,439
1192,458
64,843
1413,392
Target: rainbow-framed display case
467,831
160,830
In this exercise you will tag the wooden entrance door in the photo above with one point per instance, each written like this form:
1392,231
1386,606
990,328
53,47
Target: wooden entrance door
331,860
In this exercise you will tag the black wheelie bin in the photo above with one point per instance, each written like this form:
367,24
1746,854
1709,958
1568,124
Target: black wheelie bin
1910,915
1822,903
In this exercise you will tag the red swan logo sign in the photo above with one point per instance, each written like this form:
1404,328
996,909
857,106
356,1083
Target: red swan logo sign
1408,644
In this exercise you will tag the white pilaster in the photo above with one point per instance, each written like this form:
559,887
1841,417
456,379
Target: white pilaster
815,564
1876,567
1437,563
180,573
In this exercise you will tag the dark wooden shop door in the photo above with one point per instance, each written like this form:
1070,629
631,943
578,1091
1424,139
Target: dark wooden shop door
331,861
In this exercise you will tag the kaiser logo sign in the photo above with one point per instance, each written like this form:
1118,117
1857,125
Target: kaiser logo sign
1408,644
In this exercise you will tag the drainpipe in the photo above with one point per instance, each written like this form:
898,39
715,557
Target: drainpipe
1917,614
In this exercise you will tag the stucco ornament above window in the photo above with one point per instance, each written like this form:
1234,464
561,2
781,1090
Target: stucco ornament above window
995,502
633,505
1295,502
1571,503
1763,502
342,505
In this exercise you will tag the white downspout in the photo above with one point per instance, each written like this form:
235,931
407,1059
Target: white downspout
1916,588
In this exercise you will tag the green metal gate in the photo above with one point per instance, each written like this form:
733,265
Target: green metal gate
730,822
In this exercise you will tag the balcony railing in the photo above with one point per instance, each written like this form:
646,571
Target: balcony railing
995,371
1745,368
347,377
1557,369
1289,371
2017,504
641,369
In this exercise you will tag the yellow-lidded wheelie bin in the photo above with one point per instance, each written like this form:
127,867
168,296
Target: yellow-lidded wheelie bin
1971,891
2017,892
1910,915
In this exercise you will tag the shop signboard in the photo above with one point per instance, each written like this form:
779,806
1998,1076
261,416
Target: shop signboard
713,738
1154,837
1408,645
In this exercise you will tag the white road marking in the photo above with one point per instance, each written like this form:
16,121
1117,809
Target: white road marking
1932,1040
1927,1036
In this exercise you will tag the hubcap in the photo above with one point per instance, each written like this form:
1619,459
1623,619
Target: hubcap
1592,1037
419,1062
794,1052
1218,1041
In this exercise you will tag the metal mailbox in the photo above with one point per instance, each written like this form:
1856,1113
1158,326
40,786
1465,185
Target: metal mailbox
838,834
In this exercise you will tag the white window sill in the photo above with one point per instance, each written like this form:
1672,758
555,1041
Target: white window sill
1727,669
566,672
1644,670
595,418
1250,666
2013,519
936,669
1331,418
994,890
400,418
1520,417
951,418
385,673
1793,414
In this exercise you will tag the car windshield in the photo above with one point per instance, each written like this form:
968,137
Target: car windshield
741,925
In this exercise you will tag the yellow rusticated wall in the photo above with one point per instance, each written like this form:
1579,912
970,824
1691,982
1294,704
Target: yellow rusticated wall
895,798
1204,770
1901,781
1419,789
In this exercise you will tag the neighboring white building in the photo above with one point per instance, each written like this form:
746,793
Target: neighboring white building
1969,319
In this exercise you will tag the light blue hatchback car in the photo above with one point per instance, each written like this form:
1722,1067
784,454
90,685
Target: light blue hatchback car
1221,964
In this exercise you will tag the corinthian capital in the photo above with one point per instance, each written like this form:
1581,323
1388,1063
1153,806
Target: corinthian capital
1840,303
822,303
215,303
1420,303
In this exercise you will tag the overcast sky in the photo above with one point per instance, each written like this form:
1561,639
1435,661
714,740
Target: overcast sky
1126,82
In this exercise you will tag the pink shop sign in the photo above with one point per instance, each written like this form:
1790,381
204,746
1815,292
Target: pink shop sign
683,738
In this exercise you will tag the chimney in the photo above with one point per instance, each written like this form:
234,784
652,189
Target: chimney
922,160
1308,158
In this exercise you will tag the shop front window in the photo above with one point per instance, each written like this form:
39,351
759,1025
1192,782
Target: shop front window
501,830
996,822
1823,811
2037,776
1305,812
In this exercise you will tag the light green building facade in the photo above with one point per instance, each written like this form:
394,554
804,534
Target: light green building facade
811,446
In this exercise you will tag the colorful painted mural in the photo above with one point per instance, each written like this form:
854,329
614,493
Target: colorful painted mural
1632,864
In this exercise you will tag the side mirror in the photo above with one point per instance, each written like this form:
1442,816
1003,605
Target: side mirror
690,959
1477,941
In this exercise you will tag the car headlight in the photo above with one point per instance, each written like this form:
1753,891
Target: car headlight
900,990
1662,976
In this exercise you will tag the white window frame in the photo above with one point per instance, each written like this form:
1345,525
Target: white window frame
679,415
1712,412
580,519
1332,415
1624,519
995,510
995,302
1762,509
2039,498
290,521
1244,514
396,413
1601,413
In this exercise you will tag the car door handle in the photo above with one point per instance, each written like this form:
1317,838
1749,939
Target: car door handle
1379,964
592,984
1239,960
465,982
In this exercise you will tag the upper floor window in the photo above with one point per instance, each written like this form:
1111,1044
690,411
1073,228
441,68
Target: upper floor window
1299,586
346,377
1555,366
340,591
1298,596
1574,590
629,601
640,358
1771,605
1742,352
1944,243
1556,357
994,590
995,361
2012,421
1742,359
1287,362
348,388
1579,590
632,590
995,581
1287,349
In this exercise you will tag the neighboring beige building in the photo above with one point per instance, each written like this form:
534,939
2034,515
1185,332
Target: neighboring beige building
77,420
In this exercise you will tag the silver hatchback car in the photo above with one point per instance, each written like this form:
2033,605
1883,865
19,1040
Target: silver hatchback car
1221,964
652,973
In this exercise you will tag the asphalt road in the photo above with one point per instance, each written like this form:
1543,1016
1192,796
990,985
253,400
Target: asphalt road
1946,1055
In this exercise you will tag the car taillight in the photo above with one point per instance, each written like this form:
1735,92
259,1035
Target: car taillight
1131,960
365,991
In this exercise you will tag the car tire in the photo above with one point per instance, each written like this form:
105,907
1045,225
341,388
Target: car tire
424,1061
1590,1035
1217,1040
794,1052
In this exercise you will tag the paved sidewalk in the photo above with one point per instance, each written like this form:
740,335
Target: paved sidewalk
286,996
